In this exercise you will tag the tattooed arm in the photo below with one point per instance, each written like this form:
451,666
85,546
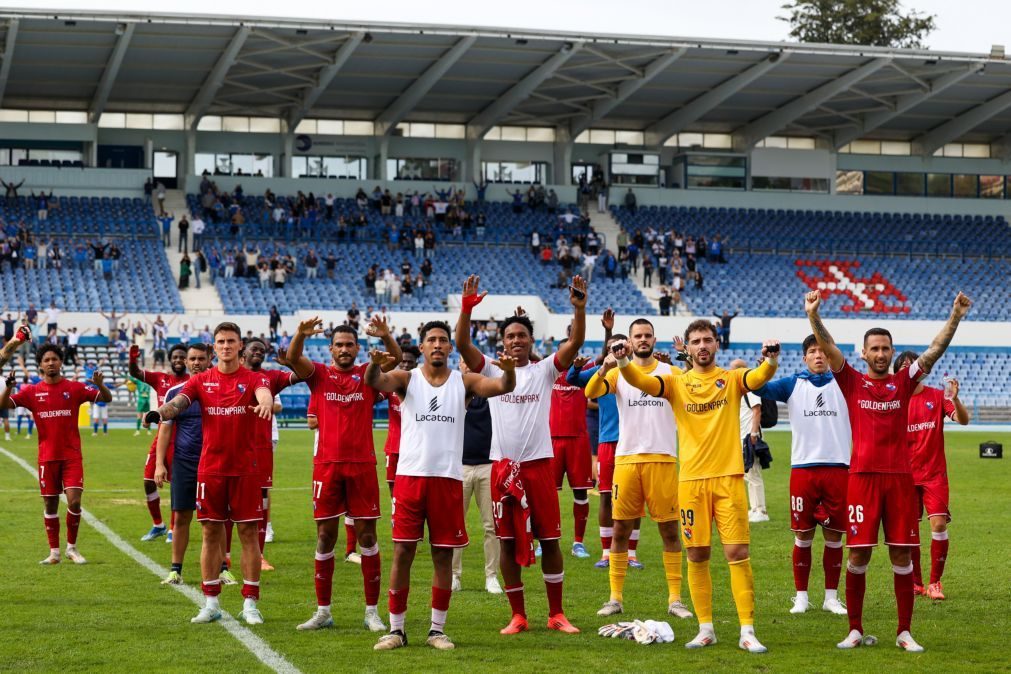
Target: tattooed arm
943,338
835,357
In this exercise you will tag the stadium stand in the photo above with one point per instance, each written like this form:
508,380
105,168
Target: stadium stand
90,216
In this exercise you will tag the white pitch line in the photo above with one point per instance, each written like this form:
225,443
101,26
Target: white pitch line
254,644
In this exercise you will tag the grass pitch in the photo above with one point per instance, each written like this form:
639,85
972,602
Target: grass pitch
112,615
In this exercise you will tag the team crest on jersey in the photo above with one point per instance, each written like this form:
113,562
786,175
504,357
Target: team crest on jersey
890,386
241,387
66,395
355,377
720,384
853,530
930,405
688,533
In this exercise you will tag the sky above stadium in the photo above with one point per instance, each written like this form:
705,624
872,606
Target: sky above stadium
966,25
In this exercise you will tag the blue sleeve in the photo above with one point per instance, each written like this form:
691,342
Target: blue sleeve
779,390
580,377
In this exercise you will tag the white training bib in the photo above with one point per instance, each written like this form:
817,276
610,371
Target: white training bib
431,427
645,424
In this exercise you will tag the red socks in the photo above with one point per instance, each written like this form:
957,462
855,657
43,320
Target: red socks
831,561
938,555
324,578
856,586
398,600
211,588
802,564
606,534
73,524
154,507
251,589
580,513
903,577
349,528
371,574
514,593
52,523
553,585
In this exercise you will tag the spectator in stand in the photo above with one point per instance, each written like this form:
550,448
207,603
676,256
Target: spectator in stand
419,285
371,279
647,271
380,289
52,316
41,203
427,269
198,226
589,262
691,264
535,243
601,189
724,322
393,288
98,250
166,228
159,192
115,254
311,264
148,189
429,243
185,268
199,267
610,264
690,249
698,281
665,301
331,265
552,202
353,317
517,198
184,230
11,191
274,322
280,276
630,201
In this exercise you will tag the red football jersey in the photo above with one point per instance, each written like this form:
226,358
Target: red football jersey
568,409
344,410
226,405
161,382
927,410
278,380
878,410
393,435
55,408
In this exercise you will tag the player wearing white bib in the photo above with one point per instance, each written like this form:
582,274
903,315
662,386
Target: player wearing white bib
429,484
522,453
819,460
645,467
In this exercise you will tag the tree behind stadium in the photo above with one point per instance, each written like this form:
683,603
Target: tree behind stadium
876,23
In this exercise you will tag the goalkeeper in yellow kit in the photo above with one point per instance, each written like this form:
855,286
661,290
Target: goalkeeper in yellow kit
706,402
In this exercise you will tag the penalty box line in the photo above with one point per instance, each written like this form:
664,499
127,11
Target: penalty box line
254,644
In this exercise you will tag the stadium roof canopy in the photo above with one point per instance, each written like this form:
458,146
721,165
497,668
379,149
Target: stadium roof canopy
482,77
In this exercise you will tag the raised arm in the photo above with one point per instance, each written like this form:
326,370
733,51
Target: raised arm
598,385
568,351
470,299
22,335
651,384
607,320
572,376
489,387
299,364
763,374
378,327
5,397
135,370
825,342
377,377
961,412
937,347
104,394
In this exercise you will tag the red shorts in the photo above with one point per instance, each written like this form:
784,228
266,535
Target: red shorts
345,488
229,497
542,499
818,496
265,467
391,466
934,498
151,463
605,466
881,499
439,500
573,458
57,476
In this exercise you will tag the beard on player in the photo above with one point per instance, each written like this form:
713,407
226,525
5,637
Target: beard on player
643,348
177,361
878,353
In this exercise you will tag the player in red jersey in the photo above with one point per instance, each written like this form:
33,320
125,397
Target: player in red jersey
232,400
521,448
880,490
254,354
408,362
160,382
54,402
928,409
570,441
344,478
429,486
